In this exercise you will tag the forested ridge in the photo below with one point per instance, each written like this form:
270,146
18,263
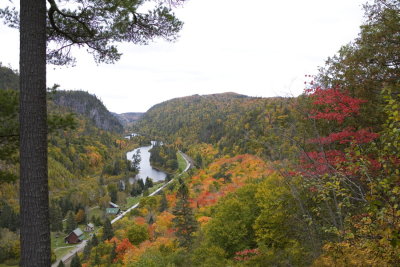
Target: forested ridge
129,118
90,106
236,124
312,180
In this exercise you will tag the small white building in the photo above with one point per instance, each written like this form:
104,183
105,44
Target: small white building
89,227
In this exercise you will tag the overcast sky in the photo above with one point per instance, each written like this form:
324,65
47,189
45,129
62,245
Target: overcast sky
253,47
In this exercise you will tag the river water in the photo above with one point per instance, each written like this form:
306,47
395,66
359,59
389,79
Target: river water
145,168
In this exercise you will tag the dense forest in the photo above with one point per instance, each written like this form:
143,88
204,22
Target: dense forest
312,180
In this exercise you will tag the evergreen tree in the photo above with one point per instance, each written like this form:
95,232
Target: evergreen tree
66,205
61,264
135,163
199,161
113,253
96,261
87,250
56,218
148,183
70,223
95,241
163,202
8,219
151,220
141,184
184,221
76,262
9,126
108,231
113,192
136,189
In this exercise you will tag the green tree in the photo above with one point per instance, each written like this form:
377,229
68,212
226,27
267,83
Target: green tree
56,218
199,161
113,192
136,158
209,256
113,253
137,233
94,241
136,189
80,24
231,227
141,183
108,231
280,228
8,133
163,202
61,264
148,183
70,224
96,260
87,250
184,221
76,262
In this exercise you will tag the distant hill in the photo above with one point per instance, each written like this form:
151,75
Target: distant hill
77,101
90,106
235,123
129,118
9,79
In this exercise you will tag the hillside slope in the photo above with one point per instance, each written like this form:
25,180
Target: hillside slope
90,106
235,123
128,118
9,79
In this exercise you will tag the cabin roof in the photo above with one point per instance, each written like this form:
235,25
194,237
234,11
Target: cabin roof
78,232
112,210
113,205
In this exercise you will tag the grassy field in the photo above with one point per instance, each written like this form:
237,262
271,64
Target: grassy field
5,265
62,251
97,212
130,201
155,187
181,162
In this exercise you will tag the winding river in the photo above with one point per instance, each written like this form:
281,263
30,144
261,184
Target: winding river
145,168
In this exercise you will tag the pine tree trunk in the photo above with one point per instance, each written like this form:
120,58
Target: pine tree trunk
35,232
